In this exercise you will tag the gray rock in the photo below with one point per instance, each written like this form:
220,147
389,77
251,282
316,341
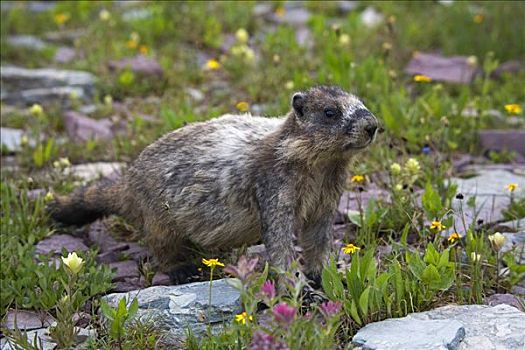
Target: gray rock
515,242
455,69
509,67
297,16
26,320
507,299
32,6
409,334
66,37
64,55
350,201
46,85
125,269
500,140
136,14
55,243
488,188
177,308
347,6
82,128
11,138
26,42
93,171
496,327
138,64
370,17
41,336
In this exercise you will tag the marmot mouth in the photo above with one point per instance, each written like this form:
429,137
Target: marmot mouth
351,146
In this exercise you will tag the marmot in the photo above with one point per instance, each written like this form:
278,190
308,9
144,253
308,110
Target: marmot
235,180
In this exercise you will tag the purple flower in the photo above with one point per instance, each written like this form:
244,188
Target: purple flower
426,149
284,313
244,269
330,308
264,341
268,289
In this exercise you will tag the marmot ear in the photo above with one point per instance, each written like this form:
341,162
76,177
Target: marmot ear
298,100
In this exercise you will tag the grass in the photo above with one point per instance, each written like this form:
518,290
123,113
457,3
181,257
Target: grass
422,270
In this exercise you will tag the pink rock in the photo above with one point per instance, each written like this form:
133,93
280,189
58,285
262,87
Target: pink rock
81,128
55,243
138,64
125,269
26,320
453,69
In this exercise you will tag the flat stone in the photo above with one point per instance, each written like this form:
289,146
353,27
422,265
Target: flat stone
125,269
298,16
453,69
350,201
127,285
65,37
176,308
26,42
64,55
42,336
26,320
515,243
510,67
55,243
161,279
99,235
503,140
136,14
93,171
485,327
409,334
11,138
82,128
138,64
507,299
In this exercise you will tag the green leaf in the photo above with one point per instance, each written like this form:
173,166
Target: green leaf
363,301
354,314
355,217
133,308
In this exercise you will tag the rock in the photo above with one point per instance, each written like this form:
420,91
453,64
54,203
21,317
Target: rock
196,95
503,140
11,138
509,67
506,299
409,334
488,188
350,201
45,86
26,42
66,37
138,64
177,308
161,279
496,327
26,320
64,55
32,6
136,14
41,335
36,193
370,17
298,16
99,235
93,171
127,285
262,9
125,269
454,69
347,6
82,128
136,252
55,243
303,36
515,243
515,225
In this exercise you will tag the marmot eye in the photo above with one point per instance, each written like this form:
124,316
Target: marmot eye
330,112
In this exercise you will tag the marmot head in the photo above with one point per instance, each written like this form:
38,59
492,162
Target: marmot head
338,121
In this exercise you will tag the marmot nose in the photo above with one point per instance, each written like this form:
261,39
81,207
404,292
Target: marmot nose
371,129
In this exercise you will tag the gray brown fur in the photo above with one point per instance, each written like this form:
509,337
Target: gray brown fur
236,180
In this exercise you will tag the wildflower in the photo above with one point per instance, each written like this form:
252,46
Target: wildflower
357,178
242,106
49,197
497,240
289,85
280,11
212,262
478,19
475,257
108,100
444,120
212,64
426,149
244,269
420,78
398,187
249,55
387,46
330,308
350,248
513,108
242,35
395,169
268,289
472,61
412,165
453,237
143,49
104,15
263,341
133,41
61,18
344,39
24,140
61,163
512,187
437,225
243,317
73,95
73,262
36,110
276,58
284,313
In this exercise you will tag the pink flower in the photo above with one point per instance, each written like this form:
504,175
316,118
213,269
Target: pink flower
268,289
263,341
284,313
244,269
330,308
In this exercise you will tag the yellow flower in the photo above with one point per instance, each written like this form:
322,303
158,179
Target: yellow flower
420,78
280,11
212,64
36,110
512,187
212,262
478,18
143,49
242,35
437,225
289,85
497,240
243,317
454,237
49,197
513,108
61,18
61,163
412,165
104,15
358,178
350,248
395,169
24,140
344,39
131,44
475,257
108,100
398,187
73,262
242,106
